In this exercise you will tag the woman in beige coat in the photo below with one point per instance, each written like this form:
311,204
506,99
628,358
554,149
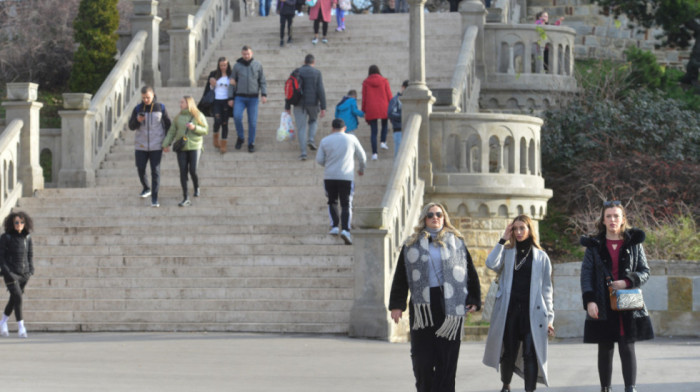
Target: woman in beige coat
523,313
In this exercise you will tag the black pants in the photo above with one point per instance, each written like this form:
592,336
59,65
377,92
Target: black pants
318,21
142,158
434,358
288,20
187,161
16,289
627,357
221,115
339,189
517,329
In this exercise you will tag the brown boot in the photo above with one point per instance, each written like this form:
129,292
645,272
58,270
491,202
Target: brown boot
216,140
222,146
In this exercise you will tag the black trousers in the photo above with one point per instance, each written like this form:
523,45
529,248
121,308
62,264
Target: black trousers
434,358
222,113
16,289
142,158
628,358
318,21
288,20
187,161
339,189
517,329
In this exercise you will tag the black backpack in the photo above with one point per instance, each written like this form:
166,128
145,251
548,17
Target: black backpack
293,88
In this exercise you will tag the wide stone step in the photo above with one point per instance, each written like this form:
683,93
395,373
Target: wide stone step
182,238
79,326
55,270
131,283
341,260
190,250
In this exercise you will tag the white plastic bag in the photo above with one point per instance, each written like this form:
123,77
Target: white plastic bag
286,129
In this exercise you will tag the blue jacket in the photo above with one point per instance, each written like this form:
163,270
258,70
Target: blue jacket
347,111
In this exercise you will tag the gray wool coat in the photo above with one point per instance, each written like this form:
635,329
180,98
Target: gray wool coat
541,308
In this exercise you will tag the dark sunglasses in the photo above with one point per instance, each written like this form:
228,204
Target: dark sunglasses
430,215
611,203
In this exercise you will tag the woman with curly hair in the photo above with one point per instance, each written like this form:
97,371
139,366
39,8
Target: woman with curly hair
16,266
436,267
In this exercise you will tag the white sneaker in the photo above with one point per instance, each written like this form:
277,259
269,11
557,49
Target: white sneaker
345,235
383,146
374,157
22,333
3,330
334,231
314,41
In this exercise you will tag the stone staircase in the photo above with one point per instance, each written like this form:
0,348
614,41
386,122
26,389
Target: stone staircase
252,253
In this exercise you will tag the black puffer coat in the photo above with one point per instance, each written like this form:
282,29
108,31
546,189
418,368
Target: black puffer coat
632,266
16,255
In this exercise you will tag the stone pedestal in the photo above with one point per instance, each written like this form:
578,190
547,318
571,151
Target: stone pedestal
76,142
145,18
22,105
182,52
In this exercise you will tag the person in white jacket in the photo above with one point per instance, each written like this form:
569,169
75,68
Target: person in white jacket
523,313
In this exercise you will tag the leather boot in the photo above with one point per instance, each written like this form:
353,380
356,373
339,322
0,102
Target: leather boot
222,146
630,389
216,140
605,389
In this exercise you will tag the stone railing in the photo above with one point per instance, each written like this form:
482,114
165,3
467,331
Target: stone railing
90,126
10,187
488,165
193,40
463,94
525,64
507,11
378,241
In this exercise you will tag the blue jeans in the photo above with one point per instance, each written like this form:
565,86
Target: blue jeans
265,7
397,142
250,104
373,126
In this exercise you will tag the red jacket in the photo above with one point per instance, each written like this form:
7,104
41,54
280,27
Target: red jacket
376,95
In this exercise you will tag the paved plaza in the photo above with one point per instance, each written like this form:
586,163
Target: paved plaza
290,363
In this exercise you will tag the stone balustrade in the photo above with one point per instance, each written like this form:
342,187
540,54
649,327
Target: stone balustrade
524,64
463,94
377,243
10,187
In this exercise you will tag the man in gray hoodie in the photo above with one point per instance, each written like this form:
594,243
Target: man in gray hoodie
249,83
337,153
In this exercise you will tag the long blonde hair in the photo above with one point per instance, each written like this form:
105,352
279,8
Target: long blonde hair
420,230
192,108
526,220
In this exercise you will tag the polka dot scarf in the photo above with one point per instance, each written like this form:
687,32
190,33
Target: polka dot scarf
454,266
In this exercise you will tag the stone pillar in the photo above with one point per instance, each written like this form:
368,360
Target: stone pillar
21,104
474,14
418,98
76,142
146,18
182,52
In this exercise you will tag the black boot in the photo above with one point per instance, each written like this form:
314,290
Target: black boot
630,389
239,143
605,389
506,388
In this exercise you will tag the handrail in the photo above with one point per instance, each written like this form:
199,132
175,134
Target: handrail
210,24
11,188
464,78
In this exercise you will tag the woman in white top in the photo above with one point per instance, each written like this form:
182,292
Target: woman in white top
220,82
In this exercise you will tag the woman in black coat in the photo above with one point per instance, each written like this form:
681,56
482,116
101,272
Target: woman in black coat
219,81
16,266
617,251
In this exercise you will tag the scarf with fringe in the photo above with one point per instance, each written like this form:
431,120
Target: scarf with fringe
453,257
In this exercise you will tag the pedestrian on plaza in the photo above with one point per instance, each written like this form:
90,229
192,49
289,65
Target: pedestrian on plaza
341,10
311,107
321,13
376,95
615,252
286,9
220,82
191,124
523,313
264,7
16,266
337,153
437,269
250,86
150,121
348,111
394,114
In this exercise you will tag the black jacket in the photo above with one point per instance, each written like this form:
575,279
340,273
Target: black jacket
399,286
632,266
16,255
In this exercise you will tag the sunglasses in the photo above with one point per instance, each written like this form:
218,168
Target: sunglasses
611,203
430,215
18,222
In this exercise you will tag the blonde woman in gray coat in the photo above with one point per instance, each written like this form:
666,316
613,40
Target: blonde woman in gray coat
523,313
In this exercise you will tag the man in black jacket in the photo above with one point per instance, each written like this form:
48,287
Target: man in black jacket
312,105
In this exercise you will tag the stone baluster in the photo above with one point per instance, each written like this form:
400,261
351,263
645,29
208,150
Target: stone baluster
21,104
182,51
77,122
146,18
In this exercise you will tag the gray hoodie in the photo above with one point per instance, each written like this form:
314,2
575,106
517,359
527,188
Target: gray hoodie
250,79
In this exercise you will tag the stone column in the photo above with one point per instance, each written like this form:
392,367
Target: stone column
77,122
21,104
182,52
146,18
418,98
474,14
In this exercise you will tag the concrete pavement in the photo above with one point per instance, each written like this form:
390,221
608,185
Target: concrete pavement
261,362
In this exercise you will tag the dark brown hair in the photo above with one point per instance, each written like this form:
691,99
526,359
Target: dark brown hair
373,69
10,222
600,223
528,222
218,70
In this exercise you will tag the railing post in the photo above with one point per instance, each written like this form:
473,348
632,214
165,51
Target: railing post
146,18
76,142
182,52
21,104
474,14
